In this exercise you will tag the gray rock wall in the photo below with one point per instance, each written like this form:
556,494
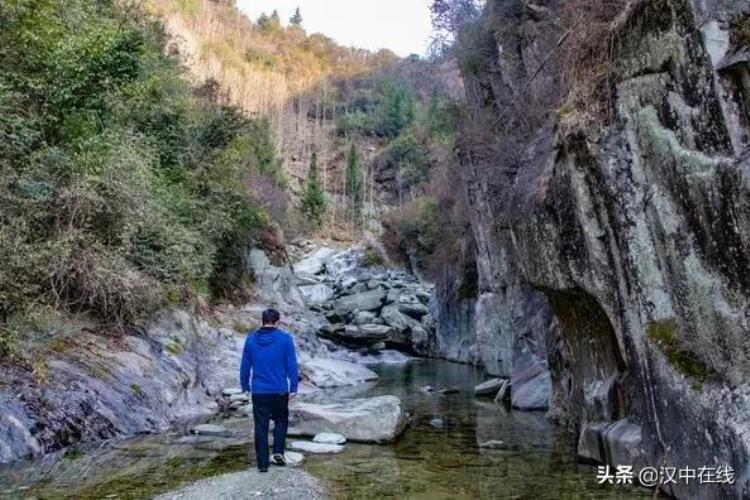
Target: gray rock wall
636,235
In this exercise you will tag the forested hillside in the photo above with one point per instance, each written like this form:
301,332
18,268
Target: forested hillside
124,185
322,97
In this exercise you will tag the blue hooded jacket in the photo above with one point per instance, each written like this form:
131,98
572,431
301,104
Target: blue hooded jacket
269,353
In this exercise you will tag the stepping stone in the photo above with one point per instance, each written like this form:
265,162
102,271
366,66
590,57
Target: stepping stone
489,388
293,459
211,430
492,444
329,438
311,447
449,390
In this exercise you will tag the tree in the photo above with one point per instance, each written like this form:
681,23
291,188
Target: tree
296,19
396,111
275,19
314,202
354,183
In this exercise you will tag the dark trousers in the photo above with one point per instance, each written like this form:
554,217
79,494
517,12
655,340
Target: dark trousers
268,407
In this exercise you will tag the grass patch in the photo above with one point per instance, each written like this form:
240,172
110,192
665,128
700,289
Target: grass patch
666,335
137,391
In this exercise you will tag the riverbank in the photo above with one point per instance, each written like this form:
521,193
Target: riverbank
278,483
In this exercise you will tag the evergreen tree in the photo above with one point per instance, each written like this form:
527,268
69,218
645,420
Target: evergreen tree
264,21
296,19
314,202
354,183
275,19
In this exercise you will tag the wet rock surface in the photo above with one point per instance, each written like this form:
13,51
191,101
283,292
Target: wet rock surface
612,269
371,420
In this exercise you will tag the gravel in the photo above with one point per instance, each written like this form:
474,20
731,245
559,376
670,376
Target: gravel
280,483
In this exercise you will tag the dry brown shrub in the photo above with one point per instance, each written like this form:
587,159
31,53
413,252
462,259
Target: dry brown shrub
587,56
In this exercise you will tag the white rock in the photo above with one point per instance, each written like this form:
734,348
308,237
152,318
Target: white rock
232,391
489,387
324,372
314,262
375,420
211,430
320,448
293,458
329,438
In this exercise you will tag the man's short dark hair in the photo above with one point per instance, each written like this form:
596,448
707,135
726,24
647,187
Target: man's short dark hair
271,316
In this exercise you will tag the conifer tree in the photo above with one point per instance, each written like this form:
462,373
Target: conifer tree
296,19
354,183
314,202
275,19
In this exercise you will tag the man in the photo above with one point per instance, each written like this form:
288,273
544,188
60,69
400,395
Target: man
269,354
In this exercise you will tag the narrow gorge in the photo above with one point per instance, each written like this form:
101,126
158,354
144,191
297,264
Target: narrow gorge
508,267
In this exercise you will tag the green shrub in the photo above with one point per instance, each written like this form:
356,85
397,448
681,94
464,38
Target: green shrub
121,187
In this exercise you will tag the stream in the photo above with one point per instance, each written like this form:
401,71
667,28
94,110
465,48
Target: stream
534,459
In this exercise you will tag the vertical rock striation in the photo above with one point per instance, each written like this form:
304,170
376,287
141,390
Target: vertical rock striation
619,255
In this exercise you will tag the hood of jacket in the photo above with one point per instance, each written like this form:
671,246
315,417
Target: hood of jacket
266,336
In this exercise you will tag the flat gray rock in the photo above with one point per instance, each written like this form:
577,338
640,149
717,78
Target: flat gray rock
211,430
329,438
489,387
317,448
372,420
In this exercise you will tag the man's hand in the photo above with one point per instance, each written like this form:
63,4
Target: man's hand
292,395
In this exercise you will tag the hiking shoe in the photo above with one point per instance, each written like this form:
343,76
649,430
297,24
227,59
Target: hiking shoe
279,459
262,469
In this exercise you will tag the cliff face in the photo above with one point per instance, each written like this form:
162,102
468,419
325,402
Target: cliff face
623,250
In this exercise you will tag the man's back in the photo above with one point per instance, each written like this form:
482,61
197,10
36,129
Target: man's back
269,353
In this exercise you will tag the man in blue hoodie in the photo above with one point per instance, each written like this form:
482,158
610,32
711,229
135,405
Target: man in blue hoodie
269,354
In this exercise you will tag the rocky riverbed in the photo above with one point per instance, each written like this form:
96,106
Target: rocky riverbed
178,368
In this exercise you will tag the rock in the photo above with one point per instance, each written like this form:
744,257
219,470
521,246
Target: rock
303,279
236,405
325,373
366,301
367,333
293,459
415,310
532,388
489,387
234,391
366,317
239,397
375,420
329,438
278,483
504,393
393,317
427,389
316,294
317,448
314,262
590,448
437,423
449,390
492,444
211,430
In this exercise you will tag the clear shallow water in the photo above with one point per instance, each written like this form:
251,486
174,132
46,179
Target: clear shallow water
535,460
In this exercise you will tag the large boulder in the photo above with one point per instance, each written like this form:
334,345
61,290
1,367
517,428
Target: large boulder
372,420
531,382
371,300
316,294
325,372
314,263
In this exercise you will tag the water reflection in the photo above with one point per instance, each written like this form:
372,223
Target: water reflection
532,459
